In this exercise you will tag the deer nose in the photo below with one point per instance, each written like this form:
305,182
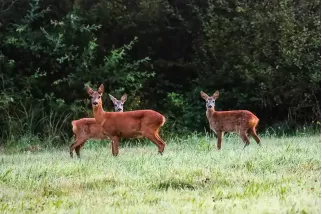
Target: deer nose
119,109
209,106
95,103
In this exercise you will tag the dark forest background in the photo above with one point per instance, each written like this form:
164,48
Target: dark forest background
263,56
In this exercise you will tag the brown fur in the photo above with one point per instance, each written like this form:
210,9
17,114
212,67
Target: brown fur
87,128
84,129
130,124
242,122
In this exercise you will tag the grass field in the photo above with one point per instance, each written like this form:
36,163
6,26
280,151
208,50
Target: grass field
282,176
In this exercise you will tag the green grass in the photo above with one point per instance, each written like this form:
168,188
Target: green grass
282,176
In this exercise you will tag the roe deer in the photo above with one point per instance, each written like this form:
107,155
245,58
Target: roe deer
118,104
242,122
130,124
87,128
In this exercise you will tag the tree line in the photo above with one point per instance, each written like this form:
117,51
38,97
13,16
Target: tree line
263,56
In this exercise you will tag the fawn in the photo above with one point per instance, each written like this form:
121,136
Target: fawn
242,122
130,124
87,128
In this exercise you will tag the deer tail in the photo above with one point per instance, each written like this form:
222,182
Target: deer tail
74,126
253,121
163,120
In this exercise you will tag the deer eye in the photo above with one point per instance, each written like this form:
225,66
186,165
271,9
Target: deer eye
99,97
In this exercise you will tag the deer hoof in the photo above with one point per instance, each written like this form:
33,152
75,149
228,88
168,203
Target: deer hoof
247,144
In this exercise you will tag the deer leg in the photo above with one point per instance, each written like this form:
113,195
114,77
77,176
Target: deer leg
77,149
155,138
248,133
70,150
71,146
78,143
215,133
243,136
252,132
219,139
161,142
115,145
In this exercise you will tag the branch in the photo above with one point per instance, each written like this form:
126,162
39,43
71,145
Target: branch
6,5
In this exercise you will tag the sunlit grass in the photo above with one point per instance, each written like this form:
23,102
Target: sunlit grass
282,176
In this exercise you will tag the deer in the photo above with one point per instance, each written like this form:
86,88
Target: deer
118,104
87,128
129,124
242,122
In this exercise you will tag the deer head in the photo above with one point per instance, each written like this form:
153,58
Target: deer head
118,104
210,101
96,96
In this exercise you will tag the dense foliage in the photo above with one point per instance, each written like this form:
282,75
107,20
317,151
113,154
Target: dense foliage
262,55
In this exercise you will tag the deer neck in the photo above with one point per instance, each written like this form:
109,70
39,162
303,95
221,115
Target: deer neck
98,113
210,112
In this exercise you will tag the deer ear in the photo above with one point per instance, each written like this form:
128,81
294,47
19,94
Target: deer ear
215,95
204,95
124,98
101,89
112,98
89,90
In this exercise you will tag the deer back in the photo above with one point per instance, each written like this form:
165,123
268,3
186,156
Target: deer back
87,128
229,121
131,123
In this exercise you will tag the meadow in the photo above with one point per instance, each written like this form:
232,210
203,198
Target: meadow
282,176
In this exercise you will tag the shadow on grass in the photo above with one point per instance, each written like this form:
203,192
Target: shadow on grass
100,183
174,184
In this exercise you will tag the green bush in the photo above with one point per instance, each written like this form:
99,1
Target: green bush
261,56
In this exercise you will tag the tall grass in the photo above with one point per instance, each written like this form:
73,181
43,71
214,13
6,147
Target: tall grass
282,176
25,124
